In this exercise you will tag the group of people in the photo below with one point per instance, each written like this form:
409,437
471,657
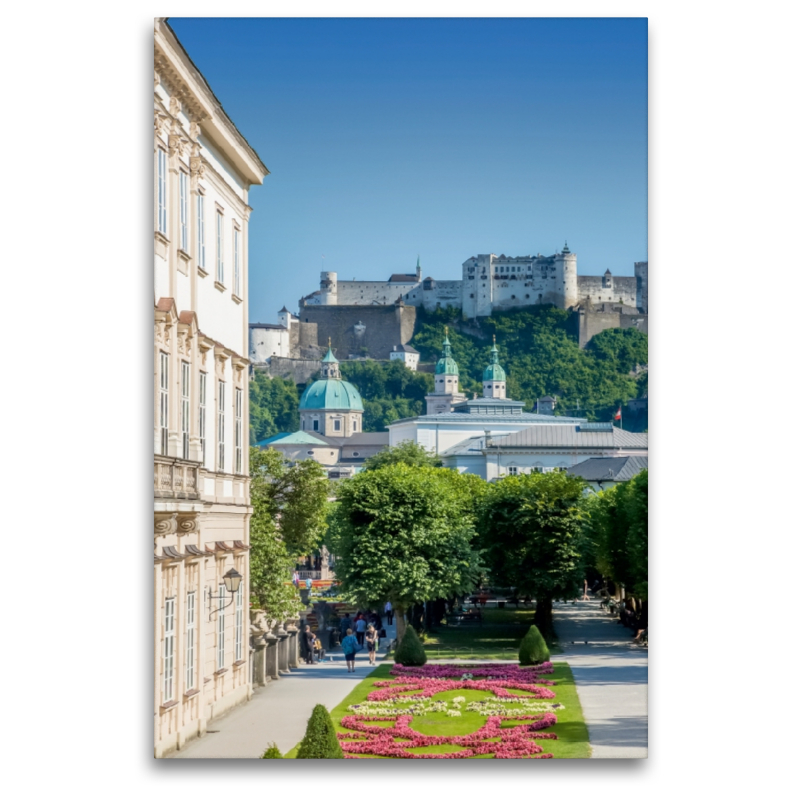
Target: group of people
311,645
365,630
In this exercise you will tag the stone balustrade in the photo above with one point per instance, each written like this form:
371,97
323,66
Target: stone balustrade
176,479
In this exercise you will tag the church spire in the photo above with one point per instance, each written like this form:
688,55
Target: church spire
494,376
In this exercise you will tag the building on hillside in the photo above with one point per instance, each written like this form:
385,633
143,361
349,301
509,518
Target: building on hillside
603,473
494,437
331,428
407,354
490,283
203,169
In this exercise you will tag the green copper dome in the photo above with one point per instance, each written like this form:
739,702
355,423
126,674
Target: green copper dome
446,365
330,391
494,372
334,394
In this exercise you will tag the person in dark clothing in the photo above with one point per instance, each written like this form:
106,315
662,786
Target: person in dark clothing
344,625
309,637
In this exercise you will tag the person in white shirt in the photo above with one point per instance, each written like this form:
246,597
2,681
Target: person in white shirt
361,626
389,611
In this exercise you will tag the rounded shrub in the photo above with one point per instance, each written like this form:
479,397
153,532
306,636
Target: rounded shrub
320,740
533,648
410,652
272,752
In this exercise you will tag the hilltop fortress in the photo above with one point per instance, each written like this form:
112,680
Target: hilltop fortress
373,318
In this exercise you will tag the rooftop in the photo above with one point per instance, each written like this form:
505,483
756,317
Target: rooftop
622,468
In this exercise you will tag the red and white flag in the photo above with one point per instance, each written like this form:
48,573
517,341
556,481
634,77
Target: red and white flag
618,415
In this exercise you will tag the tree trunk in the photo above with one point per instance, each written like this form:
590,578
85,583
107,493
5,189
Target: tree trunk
543,617
400,621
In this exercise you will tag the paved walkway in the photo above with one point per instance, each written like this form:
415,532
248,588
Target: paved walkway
611,677
279,711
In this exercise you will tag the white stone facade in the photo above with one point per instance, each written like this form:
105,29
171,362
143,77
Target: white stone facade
490,283
203,169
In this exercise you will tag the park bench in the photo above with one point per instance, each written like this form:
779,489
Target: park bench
467,618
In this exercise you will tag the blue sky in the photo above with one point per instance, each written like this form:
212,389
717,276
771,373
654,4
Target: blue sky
389,138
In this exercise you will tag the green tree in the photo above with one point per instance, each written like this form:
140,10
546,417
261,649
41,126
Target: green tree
289,511
617,523
404,533
533,648
411,453
531,527
320,740
274,406
410,652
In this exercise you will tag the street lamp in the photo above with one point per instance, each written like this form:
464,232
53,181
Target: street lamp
232,579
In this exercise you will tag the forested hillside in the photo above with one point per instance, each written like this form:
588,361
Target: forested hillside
537,350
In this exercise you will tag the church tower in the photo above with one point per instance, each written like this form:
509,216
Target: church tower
494,377
446,392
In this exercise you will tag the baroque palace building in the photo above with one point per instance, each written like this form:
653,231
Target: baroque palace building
203,170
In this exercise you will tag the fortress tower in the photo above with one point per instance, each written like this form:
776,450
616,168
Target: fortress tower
566,264
328,289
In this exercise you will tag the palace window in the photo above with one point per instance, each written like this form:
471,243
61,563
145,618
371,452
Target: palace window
513,470
163,402
239,623
201,231
220,243
185,408
316,424
236,237
169,649
184,209
203,377
221,427
237,443
191,628
162,190
221,628
337,424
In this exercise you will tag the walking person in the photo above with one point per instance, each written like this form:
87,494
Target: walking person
345,623
350,647
389,611
309,637
361,627
372,643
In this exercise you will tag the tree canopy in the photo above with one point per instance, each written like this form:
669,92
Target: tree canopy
404,533
411,453
531,528
289,512
274,404
617,524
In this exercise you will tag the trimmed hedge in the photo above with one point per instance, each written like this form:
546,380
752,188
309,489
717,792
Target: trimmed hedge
272,752
533,648
320,740
410,652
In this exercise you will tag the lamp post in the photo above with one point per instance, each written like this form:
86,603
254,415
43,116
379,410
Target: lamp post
232,579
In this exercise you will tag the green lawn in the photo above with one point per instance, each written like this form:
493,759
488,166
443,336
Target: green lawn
497,638
573,737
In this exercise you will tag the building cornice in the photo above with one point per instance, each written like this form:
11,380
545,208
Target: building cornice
176,71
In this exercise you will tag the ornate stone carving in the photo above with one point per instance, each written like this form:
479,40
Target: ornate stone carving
194,130
165,524
187,525
219,362
174,106
159,121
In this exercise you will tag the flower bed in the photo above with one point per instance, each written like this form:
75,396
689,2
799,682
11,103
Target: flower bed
517,698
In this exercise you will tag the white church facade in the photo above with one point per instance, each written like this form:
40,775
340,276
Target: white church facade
494,437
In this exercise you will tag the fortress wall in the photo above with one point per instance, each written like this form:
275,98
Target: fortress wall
351,293
384,327
267,342
307,334
621,290
298,369
640,271
587,324
444,293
